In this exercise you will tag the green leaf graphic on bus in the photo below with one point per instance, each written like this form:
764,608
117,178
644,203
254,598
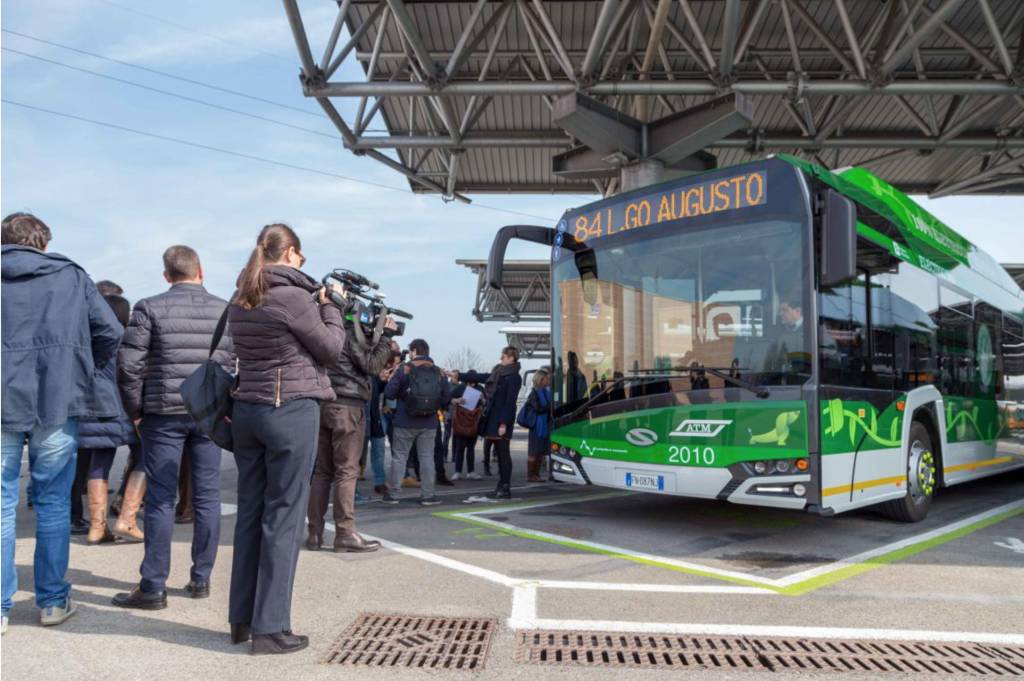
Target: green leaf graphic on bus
844,422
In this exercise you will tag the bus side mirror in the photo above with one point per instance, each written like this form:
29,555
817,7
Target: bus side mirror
586,265
838,239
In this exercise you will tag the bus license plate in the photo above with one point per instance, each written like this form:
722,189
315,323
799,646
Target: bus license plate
646,481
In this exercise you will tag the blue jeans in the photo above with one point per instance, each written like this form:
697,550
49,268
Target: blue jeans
377,461
51,458
164,437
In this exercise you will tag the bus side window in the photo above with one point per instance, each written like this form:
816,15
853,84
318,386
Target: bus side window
955,319
842,339
914,301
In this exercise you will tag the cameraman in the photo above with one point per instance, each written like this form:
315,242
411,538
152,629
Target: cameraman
343,432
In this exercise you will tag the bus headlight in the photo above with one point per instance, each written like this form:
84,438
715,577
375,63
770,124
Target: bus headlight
760,467
799,489
563,468
782,466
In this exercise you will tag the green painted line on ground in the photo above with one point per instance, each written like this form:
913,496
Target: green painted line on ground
798,589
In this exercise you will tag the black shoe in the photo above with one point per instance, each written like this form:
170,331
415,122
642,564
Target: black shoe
487,471
389,500
281,643
354,543
314,542
240,633
141,600
198,589
184,518
445,482
79,527
430,501
501,492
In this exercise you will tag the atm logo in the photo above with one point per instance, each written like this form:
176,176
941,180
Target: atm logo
700,428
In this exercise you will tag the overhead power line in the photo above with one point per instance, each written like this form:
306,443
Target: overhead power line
165,74
195,31
194,100
250,157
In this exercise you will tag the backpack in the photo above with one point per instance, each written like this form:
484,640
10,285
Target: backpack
424,395
527,417
466,422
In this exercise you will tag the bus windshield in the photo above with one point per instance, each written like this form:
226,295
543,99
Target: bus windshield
639,316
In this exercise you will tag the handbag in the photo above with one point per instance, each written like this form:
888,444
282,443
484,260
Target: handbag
207,394
527,417
466,421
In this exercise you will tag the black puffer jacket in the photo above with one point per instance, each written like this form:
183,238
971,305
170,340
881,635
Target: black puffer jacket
360,361
285,344
167,338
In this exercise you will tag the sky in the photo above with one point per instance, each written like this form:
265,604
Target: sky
115,199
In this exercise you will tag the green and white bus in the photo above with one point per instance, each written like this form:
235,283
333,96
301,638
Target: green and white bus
779,335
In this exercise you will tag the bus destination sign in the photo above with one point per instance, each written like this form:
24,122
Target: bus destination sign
707,198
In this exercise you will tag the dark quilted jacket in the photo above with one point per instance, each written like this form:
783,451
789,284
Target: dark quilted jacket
167,338
285,344
361,360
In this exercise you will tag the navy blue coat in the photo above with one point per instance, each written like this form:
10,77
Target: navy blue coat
57,332
107,432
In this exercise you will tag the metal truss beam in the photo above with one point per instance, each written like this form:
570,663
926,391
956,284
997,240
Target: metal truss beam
676,87
763,141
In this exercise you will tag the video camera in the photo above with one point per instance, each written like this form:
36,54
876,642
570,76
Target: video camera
363,305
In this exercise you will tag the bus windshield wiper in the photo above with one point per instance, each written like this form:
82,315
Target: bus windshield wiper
661,373
723,373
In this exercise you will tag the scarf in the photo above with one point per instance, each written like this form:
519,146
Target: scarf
499,371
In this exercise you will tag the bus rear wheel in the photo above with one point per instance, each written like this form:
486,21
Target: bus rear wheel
922,477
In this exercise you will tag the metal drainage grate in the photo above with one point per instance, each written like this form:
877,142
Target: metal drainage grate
449,643
737,653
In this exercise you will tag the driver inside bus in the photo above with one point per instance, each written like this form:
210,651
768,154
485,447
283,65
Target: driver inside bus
789,351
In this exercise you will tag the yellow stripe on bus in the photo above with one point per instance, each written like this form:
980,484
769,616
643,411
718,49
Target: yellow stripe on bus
973,465
846,489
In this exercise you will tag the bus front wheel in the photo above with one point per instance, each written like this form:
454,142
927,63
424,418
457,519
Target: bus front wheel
922,478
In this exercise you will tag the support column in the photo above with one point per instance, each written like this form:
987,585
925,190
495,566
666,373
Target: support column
641,174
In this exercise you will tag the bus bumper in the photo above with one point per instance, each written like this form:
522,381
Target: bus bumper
773,491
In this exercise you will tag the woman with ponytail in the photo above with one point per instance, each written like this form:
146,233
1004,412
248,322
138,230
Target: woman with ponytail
285,331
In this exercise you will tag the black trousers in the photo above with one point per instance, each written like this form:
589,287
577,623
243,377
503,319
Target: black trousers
503,451
274,449
463,447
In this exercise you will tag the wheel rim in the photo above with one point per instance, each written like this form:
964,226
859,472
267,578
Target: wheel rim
921,473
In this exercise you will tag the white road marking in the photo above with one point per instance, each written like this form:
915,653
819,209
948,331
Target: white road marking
524,616
1011,543
444,561
789,632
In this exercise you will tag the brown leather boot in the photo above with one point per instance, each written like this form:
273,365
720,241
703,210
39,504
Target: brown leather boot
126,526
96,495
533,469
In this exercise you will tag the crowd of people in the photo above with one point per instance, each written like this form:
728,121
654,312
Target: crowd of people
316,393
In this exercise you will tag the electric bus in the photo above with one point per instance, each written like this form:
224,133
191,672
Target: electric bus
780,335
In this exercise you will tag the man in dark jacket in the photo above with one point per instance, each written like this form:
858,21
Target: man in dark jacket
342,433
168,337
57,334
415,424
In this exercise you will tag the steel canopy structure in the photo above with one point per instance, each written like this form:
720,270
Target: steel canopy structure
468,96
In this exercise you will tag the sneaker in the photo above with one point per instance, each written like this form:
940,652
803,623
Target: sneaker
445,482
410,481
474,476
389,500
53,615
3,624
360,498
455,477
430,501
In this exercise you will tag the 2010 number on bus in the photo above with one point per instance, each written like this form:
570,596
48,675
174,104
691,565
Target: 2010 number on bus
691,456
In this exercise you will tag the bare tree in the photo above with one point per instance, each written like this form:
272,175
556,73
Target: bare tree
465,359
